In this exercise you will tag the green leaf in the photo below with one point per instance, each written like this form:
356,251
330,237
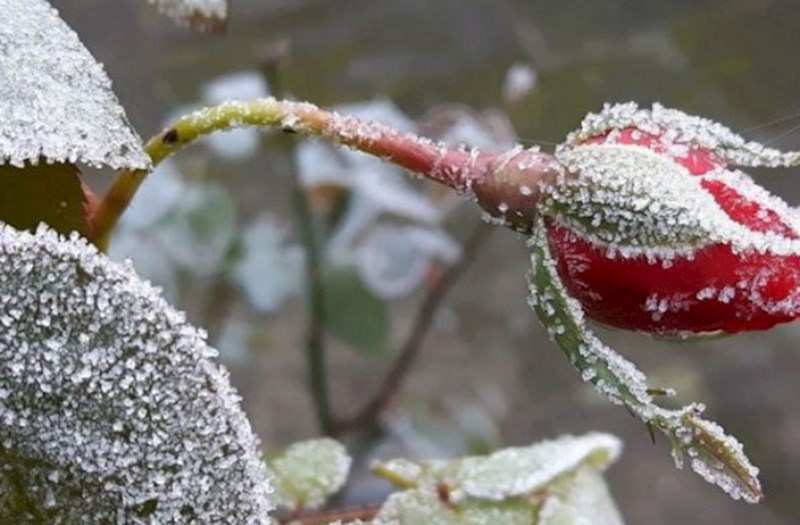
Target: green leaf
354,314
580,499
555,482
49,193
425,506
506,473
308,472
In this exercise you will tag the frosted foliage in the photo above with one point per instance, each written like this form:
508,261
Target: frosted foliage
307,473
55,99
517,471
510,486
416,507
111,409
681,128
269,270
580,500
189,10
509,472
717,457
634,201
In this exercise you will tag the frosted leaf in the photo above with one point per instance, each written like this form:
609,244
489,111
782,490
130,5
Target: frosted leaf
682,128
113,411
200,230
318,164
56,101
415,507
394,260
522,470
509,472
510,486
268,270
307,473
582,499
204,14
717,457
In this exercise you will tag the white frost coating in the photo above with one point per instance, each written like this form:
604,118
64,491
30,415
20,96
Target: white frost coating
523,470
185,10
717,457
508,486
580,500
55,99
307,473
682,128
636,201
111,410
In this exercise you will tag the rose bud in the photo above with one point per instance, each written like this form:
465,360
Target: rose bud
654,229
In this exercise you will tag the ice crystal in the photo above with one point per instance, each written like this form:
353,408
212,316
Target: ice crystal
682,129
111,409
206,14
634,201
56,101
544,484
508,472
307,473
717,457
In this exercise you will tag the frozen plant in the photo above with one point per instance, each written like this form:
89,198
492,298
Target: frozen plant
111,409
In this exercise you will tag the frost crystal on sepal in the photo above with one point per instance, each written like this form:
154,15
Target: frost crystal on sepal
307,473
718,458
205,14
56,101
635,202
678,128
111,410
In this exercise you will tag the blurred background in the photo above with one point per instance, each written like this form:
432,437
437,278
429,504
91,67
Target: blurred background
217,229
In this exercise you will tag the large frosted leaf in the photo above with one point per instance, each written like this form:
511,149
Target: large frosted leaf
307,473
202,14
56,101
111,410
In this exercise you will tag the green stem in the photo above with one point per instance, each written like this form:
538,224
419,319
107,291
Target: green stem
454,168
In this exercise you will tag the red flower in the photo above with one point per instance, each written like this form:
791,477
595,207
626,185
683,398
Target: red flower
654,230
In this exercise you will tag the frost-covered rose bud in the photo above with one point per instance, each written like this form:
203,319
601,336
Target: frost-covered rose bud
654,229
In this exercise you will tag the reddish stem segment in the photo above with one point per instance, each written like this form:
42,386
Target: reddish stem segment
505,185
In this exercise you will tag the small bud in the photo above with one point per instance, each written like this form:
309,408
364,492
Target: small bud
656,231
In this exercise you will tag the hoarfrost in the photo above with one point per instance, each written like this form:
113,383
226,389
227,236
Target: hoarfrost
112,409
684,130
581,500
543,484
717,457
269,270
56,101
307,473
508,472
